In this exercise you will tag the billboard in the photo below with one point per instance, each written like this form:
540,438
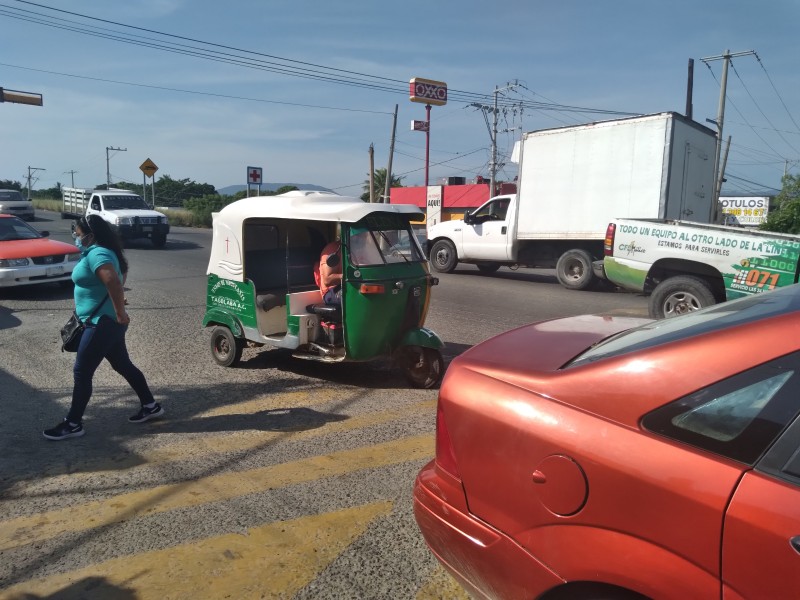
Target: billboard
428,91
750,211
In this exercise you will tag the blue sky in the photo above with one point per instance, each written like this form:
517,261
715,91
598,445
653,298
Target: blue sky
614,55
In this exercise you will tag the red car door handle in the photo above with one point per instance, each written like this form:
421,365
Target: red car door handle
795,542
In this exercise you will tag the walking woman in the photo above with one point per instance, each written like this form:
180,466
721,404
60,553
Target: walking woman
100,304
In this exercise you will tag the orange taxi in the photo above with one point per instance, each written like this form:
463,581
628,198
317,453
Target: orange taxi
616,458
28,256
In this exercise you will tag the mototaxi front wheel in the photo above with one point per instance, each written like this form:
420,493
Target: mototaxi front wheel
423,367
226,349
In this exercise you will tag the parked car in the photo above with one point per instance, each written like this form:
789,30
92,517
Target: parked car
13,202
612,457
28,256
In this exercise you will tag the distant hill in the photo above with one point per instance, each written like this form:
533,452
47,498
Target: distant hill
233,189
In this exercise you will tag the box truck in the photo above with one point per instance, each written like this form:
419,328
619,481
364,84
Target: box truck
572,182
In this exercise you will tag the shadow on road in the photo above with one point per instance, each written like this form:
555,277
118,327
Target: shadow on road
7,318
89,588
40,292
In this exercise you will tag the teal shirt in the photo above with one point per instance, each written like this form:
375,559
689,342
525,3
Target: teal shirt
89,290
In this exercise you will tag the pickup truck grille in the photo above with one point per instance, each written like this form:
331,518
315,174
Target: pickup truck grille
147,220
48,260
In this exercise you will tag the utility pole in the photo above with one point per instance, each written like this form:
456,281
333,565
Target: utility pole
391,153
108,169
30,176
718,173
72,173
371,173
493,164
689,90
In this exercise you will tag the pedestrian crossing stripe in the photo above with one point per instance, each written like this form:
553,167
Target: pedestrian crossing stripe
271,561
215,488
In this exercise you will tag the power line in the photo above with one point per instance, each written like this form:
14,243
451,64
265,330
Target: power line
182,91
244,58
760,62
746,89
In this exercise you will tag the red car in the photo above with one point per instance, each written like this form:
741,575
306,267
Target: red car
28,256
604,457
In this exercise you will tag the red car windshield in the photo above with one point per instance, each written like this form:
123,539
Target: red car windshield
13,228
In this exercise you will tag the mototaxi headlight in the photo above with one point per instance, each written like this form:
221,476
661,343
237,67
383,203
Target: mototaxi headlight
6,263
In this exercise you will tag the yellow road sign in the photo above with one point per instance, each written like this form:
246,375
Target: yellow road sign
148,167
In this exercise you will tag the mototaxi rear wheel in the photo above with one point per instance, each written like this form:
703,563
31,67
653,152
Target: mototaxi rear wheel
226,349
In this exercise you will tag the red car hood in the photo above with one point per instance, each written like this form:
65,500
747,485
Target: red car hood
547,345
35,247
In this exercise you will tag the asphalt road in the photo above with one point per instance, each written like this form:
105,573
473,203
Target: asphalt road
279,479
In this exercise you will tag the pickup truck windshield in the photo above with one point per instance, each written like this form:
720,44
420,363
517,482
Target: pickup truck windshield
124,202
12,195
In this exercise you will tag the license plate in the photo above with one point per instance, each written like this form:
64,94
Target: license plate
147,228
53,271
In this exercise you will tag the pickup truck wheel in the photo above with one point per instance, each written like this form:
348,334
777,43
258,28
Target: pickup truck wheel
159,240
679,295
574,270
443,257
488,268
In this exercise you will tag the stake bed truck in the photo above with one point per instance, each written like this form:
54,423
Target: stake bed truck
126,211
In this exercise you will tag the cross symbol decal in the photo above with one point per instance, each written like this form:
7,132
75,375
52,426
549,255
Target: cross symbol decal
254,176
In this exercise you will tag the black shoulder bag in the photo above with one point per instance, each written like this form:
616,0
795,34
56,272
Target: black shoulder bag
72,332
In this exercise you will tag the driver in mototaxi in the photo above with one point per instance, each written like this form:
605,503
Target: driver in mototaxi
329,278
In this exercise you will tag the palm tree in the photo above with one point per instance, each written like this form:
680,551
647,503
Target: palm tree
380,185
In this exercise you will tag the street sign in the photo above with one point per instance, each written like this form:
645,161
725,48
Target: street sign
420,126
428,91
253,175
19,97
148,167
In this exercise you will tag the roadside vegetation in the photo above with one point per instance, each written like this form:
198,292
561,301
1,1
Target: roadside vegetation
785,217
186,203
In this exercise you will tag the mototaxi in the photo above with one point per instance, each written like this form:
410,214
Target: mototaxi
262,291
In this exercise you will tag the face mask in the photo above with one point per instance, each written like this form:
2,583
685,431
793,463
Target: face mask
79,243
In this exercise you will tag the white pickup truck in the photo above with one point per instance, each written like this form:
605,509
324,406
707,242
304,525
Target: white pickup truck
126,211
685,266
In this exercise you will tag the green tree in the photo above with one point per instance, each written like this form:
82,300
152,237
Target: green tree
49,193
173,192
380,185
285,188
7,184
785,217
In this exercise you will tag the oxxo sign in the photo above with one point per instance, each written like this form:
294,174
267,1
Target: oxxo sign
428,91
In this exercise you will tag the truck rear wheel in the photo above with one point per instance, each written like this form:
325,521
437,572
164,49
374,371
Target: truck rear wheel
679,295
443,257
488,268
574,270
